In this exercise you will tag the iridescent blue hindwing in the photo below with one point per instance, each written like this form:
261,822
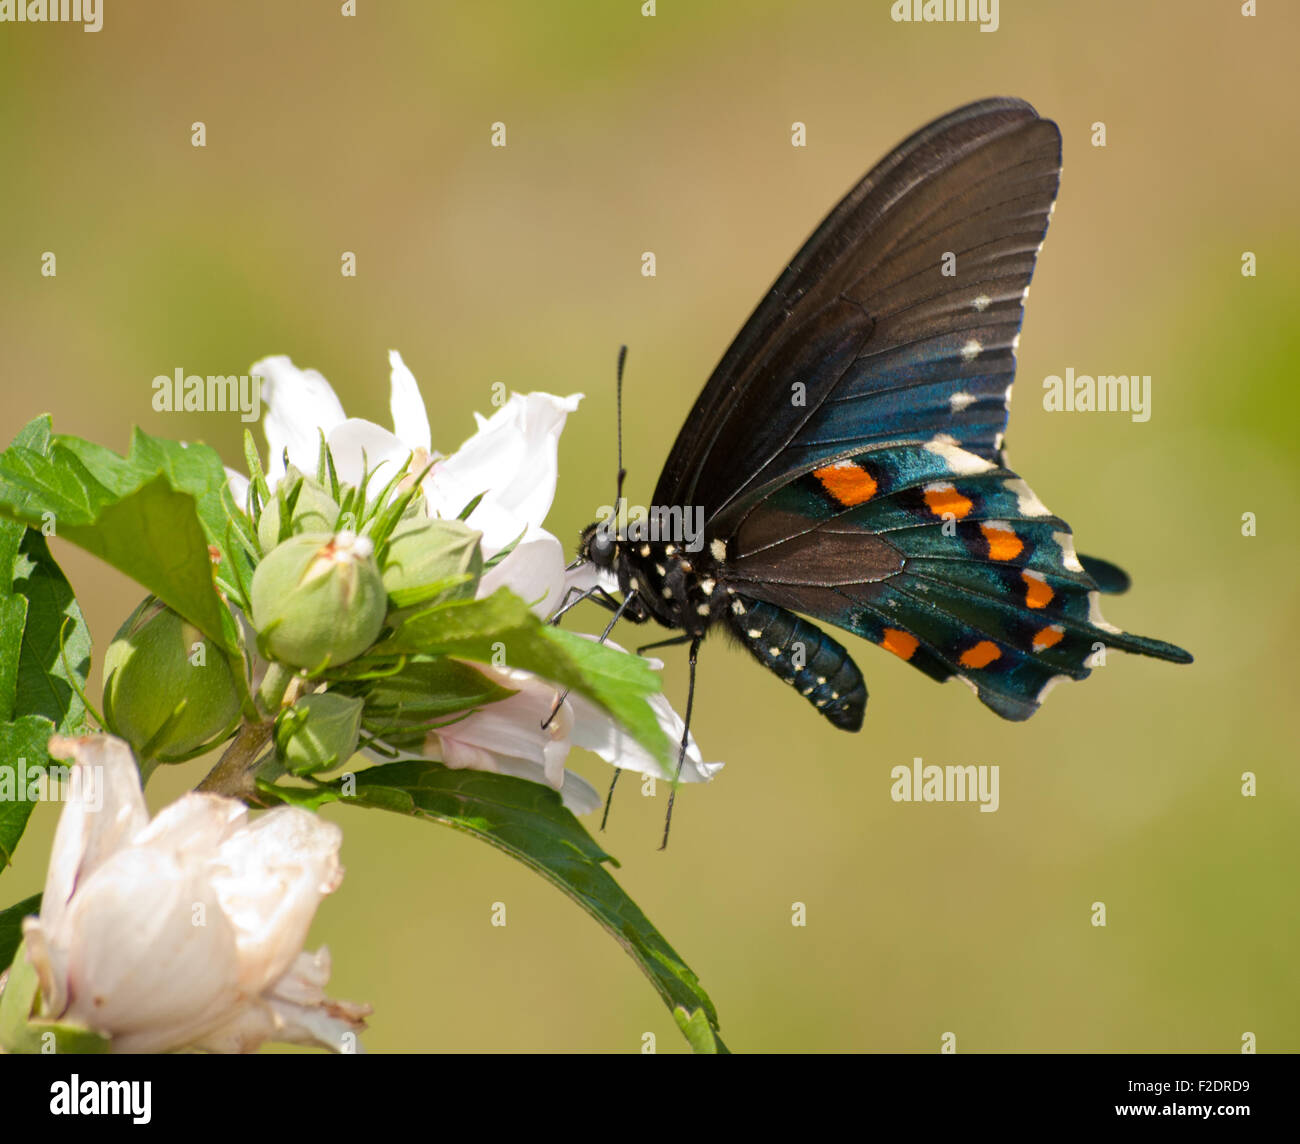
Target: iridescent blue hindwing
942,557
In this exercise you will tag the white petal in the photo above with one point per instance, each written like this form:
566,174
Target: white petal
269,878
300,405
578,795
152,958
588,575
513,459
296,1010
357,445
238,487
410,419
104,809
510,730
534,571
598,732
192,827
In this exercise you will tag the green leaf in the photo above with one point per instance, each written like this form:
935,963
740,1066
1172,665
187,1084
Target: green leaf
22,747
151,514
55,654
528,821
501,630
23,1030
11,927
403,707
13,616
698,1030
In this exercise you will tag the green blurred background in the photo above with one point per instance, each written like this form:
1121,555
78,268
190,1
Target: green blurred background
522,265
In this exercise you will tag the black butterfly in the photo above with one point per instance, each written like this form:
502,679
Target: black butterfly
847,453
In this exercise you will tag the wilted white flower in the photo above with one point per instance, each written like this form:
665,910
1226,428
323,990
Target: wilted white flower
187,931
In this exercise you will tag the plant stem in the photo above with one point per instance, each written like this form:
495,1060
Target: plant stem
233,774
275,684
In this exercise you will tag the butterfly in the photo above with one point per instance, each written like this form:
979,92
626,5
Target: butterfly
846,457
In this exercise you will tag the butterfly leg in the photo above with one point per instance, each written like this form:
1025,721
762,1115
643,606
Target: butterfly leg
619,609
686,734
597,595
672,641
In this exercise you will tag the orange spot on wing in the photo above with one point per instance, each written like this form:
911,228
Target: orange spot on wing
1038,593
847,483
1003,543
940,499
1049,637
902,644
981,655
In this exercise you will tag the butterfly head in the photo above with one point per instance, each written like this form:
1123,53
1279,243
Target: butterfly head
598,545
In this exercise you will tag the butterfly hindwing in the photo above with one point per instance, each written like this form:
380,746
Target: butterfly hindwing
963,571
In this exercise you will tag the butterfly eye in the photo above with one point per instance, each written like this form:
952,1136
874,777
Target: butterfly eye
601,549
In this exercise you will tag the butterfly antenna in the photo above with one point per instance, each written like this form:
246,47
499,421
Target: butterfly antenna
622,472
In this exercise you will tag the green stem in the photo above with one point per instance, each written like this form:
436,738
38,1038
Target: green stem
270,695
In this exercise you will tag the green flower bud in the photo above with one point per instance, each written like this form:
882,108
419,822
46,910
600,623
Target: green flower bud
314,510
318,600
319,732
431,559
168,691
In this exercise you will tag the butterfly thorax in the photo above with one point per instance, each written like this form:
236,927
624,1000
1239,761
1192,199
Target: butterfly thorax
680,588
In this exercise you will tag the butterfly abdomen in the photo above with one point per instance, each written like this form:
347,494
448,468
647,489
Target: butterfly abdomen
804,656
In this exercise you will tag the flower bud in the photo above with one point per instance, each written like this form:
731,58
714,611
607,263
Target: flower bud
168,691
319,732
314,510
318,599
431,560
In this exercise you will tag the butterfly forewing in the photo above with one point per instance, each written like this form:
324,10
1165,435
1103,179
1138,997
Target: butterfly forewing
896,320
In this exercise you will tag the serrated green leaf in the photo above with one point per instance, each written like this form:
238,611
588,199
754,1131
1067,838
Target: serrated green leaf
529,822
502,630
151,515
55,653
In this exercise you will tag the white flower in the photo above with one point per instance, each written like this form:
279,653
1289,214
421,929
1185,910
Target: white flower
511,460
507,737
511,463
187,931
